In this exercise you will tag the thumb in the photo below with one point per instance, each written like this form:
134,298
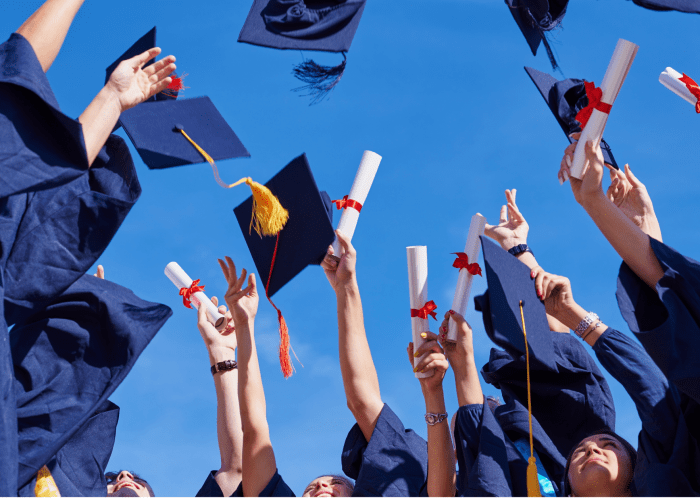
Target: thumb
252,285
344,242
202,314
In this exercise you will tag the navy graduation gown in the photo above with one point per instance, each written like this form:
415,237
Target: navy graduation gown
210,488
68,359
577,393
393,463
489,462
275,488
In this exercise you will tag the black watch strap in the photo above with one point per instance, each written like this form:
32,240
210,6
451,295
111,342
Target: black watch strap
518,249
223,366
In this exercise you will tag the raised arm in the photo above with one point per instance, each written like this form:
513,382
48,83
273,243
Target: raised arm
128,86
441,462
461,357
259,464
222,347
629,241
46,29
356,365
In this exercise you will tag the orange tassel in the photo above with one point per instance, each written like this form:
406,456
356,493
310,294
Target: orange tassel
285,360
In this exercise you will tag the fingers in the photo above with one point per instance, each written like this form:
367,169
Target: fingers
515,213
158,66
100,272
431,361
409,351
329,263
162,74
632,178
345,243
575,136
138,61
252,288
430,344
202,315
240,281
552,288
504,214
224,269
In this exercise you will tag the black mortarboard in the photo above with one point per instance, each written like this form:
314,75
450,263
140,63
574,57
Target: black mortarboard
155,129
509,283
535,18
689,6
307,234
324,25
565,99
146,42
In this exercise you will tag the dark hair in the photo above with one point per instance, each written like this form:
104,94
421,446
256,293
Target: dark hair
112,476
628,447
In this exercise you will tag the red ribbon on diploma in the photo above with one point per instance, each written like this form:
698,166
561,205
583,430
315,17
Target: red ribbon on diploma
188,292
345,203
423,312
462,262
693,88
594,94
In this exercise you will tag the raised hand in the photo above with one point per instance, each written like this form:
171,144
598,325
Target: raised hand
132,84
242,302
435,360
512,228
460,352
212,338
631,197
100,272
340,273
590,187
554,291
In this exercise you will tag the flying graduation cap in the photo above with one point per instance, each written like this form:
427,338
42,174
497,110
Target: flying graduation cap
303,241
688,6
321,25
565,99
535,18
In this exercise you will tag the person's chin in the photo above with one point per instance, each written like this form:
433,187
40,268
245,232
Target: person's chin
123,492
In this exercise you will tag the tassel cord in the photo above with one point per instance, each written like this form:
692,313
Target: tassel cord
533,488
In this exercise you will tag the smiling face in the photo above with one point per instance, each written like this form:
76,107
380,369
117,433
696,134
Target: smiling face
600,466
127,484
329,486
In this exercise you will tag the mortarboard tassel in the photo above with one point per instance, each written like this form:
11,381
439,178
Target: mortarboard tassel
176,86
545,25
285,360
269,216
320,80
533,484
45,484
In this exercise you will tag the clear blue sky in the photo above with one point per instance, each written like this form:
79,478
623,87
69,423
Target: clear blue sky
437,88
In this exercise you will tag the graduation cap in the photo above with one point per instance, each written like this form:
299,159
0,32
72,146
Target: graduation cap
565,99
303,241
147,42
688,6
509,285
322,25
535,18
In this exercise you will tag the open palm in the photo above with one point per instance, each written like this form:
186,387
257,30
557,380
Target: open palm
512,228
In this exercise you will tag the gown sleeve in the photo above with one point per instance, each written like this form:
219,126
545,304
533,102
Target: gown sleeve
393,463
275,488
210,488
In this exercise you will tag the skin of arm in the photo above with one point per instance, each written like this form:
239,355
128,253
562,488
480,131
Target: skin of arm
441,462
46,29
128,86
628,240
461,357
259,464
222,347
356,366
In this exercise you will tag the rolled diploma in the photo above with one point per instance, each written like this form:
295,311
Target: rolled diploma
418,292
612,83
359,191
464,283
181,280
669,78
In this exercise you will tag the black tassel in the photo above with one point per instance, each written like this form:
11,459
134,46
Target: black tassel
543,26
320,80
552,59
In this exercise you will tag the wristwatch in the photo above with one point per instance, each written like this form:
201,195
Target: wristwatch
435,418
223,366
518,249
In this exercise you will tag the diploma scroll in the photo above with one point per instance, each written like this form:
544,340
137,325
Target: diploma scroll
464,283
614,77
358,193
418,292
670,78
181,280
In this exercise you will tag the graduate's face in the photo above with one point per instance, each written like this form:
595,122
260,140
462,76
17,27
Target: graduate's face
600,466
328,486
127,484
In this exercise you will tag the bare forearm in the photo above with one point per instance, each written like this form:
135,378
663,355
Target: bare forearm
441,464
46,29
627,239
356,365
228,422
467,382
98,121
573,316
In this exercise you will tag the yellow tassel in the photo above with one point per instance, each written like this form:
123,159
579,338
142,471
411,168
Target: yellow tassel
45,484
533,484
269,216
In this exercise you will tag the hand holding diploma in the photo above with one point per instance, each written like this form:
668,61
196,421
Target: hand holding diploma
191,292
421,307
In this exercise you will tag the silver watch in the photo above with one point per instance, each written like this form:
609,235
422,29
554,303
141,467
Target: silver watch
435,418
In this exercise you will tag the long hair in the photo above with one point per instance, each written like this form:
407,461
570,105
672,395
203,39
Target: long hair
631,451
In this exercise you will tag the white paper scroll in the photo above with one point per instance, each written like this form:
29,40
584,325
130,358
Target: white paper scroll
464,283
612,82
181,280
418,291
359,191
670,78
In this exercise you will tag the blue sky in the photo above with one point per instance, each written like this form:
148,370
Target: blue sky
436,87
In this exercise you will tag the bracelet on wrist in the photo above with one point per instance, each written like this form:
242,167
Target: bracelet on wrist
585,323
223,366
435,418
518,249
